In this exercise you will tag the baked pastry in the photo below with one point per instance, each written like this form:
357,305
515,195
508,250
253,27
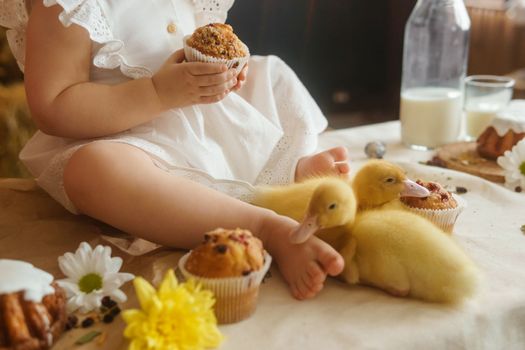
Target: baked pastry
216,43
491,145
232,264
217,40
505,131
226,253
439,197
441,207
32,307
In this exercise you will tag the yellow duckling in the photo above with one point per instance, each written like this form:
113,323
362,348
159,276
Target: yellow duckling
406,255
398,251
380,182
325,205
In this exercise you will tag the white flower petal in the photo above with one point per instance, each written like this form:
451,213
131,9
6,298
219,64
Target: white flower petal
85,247
69,286
115,265
66,268
99,261
519,150
92,301
107,252
504,162
72,306
118,296
125,277
76,267
511,162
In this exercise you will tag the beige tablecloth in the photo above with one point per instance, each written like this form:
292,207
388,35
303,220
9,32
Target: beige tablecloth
34,228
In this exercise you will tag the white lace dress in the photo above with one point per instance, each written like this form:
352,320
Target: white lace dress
251,137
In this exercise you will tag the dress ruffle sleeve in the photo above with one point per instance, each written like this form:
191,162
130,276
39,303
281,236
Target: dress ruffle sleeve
90,15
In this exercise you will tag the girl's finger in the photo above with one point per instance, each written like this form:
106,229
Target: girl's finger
244,73
217,89
177,57
212,99
202,68
214,79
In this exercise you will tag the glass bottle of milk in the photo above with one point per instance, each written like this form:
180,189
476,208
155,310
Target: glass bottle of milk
434,67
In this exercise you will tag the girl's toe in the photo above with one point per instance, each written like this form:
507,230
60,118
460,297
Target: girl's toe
339,153
331,262
296,292
315,273
343,168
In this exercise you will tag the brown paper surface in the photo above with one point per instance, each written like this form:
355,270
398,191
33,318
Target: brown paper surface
36,229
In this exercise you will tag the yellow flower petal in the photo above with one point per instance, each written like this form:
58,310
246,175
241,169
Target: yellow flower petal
145,292
169,283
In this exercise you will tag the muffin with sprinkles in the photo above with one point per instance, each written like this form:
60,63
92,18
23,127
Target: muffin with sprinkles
232,264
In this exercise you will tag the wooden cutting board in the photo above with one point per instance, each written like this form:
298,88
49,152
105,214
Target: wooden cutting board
462,156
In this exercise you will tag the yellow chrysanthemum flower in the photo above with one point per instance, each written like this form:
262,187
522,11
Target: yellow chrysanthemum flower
176,317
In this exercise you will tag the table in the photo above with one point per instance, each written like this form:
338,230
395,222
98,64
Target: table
36,229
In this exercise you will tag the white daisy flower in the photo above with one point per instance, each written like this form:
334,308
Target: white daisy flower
91,275
513,162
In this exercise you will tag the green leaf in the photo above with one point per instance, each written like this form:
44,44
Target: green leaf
86,338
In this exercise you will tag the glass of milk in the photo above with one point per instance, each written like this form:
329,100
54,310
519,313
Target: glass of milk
435,54
485,96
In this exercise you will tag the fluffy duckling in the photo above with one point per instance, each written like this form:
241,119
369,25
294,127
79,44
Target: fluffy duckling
399,251
324,205
379,182
405,255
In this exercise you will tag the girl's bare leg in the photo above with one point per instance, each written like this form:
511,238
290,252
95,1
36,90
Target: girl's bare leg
119,184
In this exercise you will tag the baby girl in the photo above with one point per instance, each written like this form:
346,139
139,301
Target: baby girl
133,135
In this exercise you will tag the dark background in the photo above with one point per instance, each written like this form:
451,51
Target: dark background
348,53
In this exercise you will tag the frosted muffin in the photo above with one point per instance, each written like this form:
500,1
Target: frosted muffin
32,307
216,43
232,264
441,207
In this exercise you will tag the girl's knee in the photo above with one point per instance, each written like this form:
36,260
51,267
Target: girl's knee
85,169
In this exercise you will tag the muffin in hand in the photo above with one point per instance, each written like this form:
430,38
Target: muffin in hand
232,264
216,43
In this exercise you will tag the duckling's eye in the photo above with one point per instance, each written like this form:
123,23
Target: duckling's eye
390,180
332,206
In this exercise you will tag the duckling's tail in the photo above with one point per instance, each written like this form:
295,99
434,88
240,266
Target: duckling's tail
461,284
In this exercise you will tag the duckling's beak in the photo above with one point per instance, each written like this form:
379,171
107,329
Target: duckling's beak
308,227
412,189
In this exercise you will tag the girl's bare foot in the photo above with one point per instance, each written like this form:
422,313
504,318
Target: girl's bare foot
303,266
331,162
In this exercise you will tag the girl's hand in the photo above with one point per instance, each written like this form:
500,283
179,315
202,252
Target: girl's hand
241,78
180,84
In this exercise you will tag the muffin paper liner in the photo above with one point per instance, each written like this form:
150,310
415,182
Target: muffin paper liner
443,218
236,297
194,55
